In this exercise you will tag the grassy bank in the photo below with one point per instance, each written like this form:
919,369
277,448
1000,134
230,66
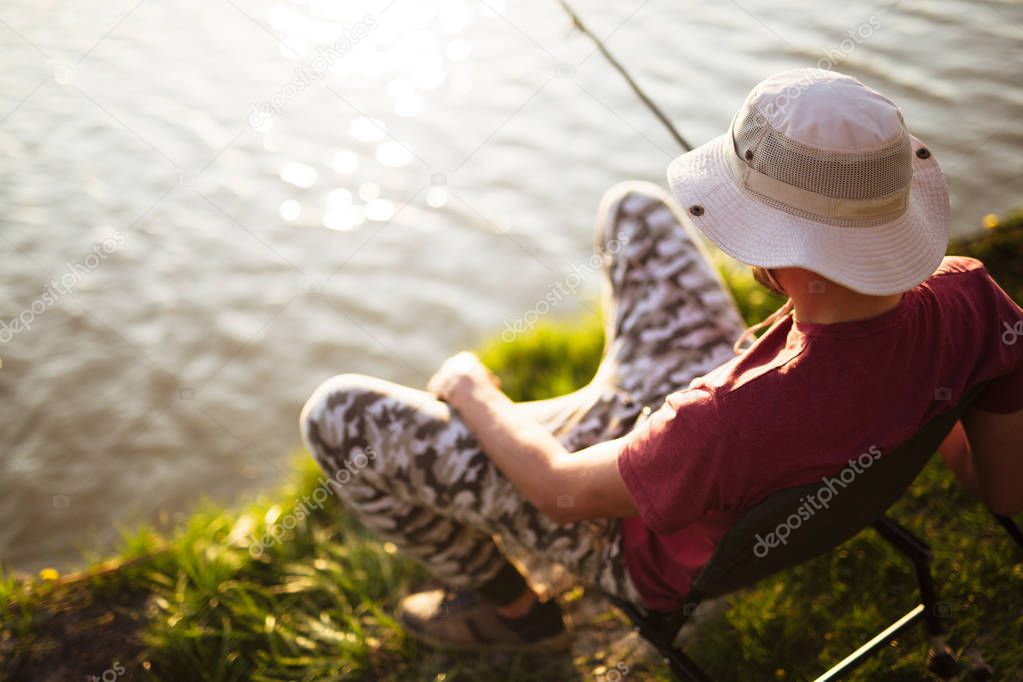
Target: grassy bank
196,603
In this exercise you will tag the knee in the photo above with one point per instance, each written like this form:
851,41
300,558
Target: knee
336,402
635,196
627,208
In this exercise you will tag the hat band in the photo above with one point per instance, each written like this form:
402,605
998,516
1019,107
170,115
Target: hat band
799,199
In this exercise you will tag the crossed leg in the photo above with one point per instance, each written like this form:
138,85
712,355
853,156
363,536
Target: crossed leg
417,475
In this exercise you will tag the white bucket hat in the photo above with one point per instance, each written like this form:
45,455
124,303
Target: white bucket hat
818,171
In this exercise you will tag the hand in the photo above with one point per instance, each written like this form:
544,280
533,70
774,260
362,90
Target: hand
458,374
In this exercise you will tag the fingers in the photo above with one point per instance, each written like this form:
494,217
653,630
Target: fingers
459,367
433,387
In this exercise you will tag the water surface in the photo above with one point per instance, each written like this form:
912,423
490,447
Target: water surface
430,179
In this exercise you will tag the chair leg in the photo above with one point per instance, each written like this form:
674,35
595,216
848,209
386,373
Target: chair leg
941,659
661,633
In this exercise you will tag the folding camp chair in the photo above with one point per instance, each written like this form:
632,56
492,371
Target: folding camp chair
734,565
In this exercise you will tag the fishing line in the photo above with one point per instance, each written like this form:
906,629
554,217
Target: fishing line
656,110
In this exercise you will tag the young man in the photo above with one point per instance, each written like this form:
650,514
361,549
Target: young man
821,188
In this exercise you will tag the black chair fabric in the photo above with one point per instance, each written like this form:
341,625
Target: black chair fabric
740,559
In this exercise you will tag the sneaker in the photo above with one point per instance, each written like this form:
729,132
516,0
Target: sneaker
459,621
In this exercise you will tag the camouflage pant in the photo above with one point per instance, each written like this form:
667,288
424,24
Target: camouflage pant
418,476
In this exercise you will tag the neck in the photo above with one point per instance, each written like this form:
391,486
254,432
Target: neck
841,305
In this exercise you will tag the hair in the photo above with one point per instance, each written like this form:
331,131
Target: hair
765,278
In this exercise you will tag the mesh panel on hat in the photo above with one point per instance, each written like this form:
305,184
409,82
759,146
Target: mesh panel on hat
842,175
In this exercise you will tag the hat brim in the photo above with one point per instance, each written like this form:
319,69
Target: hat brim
881,259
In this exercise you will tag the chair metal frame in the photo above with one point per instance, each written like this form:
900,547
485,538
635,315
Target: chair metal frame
733,567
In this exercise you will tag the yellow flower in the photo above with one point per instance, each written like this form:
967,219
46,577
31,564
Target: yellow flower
49,574
990,221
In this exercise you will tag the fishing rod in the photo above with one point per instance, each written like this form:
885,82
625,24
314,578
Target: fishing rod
661,116
650,104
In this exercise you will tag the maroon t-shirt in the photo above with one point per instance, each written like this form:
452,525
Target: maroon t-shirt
801,403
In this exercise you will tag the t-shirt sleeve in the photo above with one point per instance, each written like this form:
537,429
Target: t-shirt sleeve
1004,394
674,464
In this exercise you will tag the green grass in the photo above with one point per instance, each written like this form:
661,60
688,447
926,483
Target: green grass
316,605
551,360
1001,249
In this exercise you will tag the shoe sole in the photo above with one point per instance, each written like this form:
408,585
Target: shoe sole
555,644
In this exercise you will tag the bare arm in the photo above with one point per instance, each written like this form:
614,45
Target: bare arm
565,486
955,450
995,446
